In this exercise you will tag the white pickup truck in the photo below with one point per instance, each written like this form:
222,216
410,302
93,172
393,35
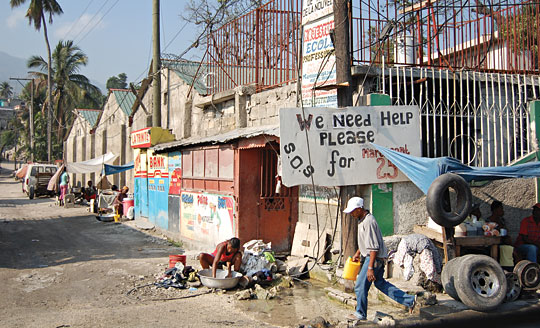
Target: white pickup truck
37,178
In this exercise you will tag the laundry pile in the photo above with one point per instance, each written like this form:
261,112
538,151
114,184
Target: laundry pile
430,259
258,258
177,277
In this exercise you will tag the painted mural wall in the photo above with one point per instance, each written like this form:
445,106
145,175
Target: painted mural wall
208,218
175,173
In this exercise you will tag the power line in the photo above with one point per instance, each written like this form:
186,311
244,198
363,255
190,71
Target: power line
91,19
93,27
75,22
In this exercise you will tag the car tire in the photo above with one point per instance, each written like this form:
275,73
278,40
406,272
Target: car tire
449,274
436,203
31,193
528,274
481,283
513,289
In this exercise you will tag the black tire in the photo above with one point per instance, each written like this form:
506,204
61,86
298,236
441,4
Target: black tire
437,204
449,274
31,193
513,289
481,283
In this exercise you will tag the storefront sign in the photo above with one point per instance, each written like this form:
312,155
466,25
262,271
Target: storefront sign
318,67
340,144
207,218
315,9
141,138
148,137
158,165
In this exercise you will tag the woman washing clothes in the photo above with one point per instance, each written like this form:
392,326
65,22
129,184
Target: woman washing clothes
227,252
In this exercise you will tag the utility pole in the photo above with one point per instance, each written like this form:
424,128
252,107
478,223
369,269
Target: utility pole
156,65
344,96
31,114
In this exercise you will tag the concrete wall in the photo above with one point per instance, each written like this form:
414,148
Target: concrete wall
517,195
263,107
112,135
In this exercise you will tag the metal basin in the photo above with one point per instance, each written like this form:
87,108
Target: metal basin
219,281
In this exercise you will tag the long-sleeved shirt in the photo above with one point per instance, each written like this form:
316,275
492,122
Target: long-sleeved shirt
370,237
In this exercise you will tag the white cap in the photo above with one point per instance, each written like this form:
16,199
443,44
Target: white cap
354,203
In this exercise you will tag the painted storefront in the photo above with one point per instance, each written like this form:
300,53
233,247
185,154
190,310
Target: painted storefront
148,190
175,188
158,189
141,183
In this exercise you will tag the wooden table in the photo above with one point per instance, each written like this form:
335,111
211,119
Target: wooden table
469,241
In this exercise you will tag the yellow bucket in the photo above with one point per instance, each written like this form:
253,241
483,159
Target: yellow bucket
117,218
351,269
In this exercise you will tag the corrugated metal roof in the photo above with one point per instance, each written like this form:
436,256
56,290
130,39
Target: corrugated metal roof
186,70
90,115
125,100
272,130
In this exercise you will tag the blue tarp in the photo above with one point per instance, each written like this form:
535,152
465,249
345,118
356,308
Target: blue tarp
422,171
112,169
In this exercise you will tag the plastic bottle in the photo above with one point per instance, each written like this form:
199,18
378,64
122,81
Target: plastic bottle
351,269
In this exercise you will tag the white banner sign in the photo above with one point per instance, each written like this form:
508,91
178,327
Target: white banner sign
315,9
318,64
339,144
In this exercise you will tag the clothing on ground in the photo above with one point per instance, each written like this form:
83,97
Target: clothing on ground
430,259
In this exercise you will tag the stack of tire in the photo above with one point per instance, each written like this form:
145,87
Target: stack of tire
478,281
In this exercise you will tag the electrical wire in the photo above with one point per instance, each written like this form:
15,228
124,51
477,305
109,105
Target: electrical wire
78,19
91,20
95,25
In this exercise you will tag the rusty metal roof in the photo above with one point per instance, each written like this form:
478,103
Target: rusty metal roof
242,133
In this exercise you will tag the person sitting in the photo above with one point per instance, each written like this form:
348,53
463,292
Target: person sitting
528,240
118,201
89,192
497,213
227,252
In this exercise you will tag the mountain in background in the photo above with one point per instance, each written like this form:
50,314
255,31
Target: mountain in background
16,67
12,67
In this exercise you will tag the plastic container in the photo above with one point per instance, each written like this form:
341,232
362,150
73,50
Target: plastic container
127,203
351,269
176,258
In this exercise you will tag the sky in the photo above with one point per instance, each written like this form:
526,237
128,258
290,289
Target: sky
116,35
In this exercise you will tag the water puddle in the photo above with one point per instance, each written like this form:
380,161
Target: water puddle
295,306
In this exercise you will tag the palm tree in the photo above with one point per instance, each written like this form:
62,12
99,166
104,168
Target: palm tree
6,90
70,87
36,13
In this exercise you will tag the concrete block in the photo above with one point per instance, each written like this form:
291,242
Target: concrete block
307,207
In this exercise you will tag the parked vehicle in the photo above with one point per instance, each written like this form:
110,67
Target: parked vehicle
37,179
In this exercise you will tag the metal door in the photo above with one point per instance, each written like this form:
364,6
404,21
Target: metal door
278,211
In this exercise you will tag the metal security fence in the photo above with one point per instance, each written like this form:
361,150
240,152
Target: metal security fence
480,35
258,48
479,118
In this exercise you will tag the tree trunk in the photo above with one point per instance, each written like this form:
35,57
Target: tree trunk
49,90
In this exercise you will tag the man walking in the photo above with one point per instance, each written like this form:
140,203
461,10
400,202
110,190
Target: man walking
372,252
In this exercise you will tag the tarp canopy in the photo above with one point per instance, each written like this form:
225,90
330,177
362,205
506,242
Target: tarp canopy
53,182
113,169
21,173
94,165
422,171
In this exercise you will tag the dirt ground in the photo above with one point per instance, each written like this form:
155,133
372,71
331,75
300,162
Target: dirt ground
63,268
